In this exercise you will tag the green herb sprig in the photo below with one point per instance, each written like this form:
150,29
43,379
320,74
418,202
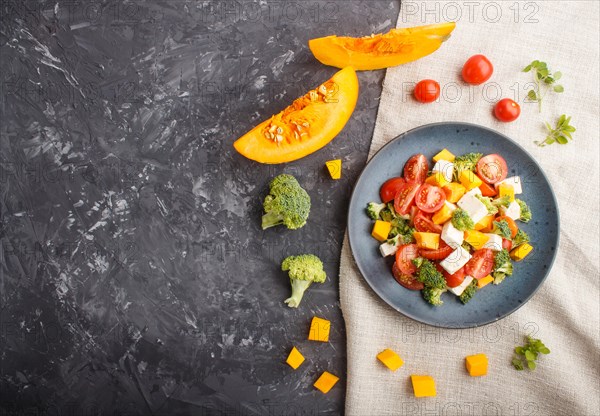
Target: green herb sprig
542,76
528,353
560,134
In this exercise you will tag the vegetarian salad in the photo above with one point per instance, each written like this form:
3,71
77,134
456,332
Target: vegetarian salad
454,228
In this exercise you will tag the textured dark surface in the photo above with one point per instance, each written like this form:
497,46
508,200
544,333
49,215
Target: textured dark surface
135,278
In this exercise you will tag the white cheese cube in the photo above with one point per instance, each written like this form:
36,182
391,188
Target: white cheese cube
494,242
451,236
474,191
457,259
445,168
515,181
458,290
513,211
387,249
474,207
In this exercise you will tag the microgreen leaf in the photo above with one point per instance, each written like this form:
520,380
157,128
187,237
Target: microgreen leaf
542,76
561,133
558,88
528,354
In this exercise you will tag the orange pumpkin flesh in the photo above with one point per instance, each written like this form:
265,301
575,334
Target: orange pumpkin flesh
307,125
396,47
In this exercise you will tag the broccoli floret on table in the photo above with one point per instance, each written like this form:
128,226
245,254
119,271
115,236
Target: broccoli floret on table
303,270
287,203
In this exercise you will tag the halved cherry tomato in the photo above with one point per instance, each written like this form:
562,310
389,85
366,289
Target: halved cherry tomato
405,197
423,223
487,190
430,198
453,280
481,264
492,168
427,91
506,244
507,110
477,70
406,280
415,170
405,255
390,188
442,252
511,224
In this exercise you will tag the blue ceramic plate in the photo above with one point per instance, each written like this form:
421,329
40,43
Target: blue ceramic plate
492,302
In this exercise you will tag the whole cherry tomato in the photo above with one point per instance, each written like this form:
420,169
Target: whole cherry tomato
507,110
477,70
427,91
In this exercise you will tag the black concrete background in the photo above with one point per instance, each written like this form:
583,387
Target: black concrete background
135,278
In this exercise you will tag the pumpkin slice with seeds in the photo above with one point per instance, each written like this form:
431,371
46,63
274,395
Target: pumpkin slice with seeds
305,126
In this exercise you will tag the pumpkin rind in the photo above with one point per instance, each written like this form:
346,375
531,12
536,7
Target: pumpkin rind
396,47
305,126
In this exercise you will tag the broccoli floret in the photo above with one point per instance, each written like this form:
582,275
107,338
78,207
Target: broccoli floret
465,162
374,209
503,201
303,270
401,227
467,247
501,228
461,220
502,266
287,203
492,209
520,238
525,211
469,292
433,295
388,214
428,274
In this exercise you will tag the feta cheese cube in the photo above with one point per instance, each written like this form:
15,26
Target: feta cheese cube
515,181
474,207
494,242
445,168
475,191
451,236
458,290
457,259
513,211
387,249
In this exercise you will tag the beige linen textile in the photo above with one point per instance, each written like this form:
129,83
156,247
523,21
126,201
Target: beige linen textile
565,311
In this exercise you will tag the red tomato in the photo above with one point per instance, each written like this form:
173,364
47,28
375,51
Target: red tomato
453,280
427,91
404,197
477,70
511,224
487,190
507,110
430,198
390,188
404,256
442,252
406,280
422,223
481,264
415,170
506,244
492,168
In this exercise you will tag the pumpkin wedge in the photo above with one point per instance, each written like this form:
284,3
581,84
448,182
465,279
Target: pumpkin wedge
396,47
307,125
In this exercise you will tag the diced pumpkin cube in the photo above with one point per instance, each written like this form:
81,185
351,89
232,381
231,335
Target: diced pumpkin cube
469,180
476,239
427,240
423,386
326,382
295,358
484,281
437,179
390,359
519,253
485,224
319,329
454,191
335,168
505,189
477,365
444,155
443,214
381,230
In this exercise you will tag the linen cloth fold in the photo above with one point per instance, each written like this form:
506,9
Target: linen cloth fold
565,312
